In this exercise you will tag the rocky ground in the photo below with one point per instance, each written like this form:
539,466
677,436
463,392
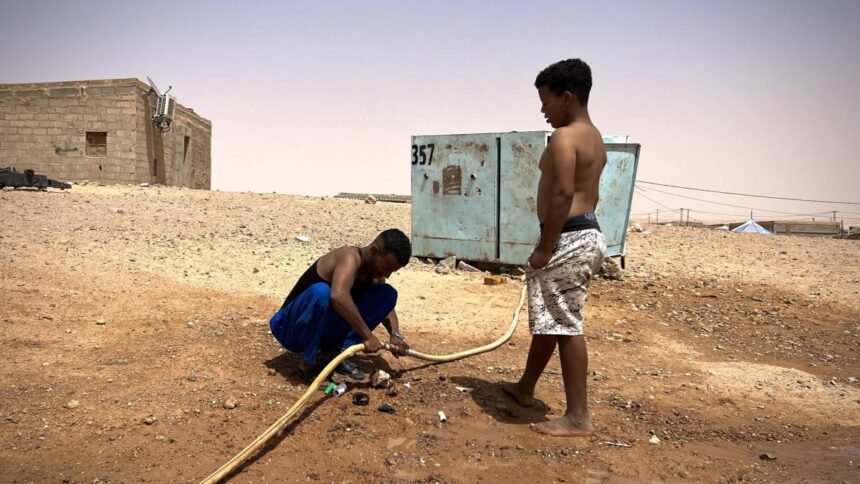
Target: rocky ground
134,325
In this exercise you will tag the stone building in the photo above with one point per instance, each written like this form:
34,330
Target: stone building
102,131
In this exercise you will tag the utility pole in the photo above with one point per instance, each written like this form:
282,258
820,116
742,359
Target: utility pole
649,219
681,222
834,215
658,216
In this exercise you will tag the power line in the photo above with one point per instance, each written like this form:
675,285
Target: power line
734,206
746,194
639,192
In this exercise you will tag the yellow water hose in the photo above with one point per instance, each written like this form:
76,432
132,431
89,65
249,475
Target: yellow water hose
281,423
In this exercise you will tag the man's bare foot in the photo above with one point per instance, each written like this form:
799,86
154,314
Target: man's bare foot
564,426
524,398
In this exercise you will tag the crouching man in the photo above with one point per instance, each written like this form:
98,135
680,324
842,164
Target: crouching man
339,301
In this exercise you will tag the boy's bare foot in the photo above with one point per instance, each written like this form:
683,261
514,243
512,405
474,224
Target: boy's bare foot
525,399
564,426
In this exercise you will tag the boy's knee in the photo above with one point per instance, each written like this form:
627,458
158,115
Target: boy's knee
388,294
320,290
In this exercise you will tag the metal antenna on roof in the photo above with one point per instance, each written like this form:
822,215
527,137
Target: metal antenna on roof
164,107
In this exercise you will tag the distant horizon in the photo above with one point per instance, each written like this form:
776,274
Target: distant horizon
316,99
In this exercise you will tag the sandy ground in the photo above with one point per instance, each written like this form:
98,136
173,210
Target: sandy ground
131,315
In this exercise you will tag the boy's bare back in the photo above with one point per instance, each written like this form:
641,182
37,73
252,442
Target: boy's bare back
581,145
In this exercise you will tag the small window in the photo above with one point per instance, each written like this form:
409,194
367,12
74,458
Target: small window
97,144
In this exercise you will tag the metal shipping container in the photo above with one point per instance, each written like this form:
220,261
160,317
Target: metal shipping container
474,195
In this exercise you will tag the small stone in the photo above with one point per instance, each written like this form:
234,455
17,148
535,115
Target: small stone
392,391
272,371
392,462
767,456
370,199
150,420
73,404
143,185
380,379
303,238
230,403
494,280
520,447
467,267
449,262
386,408
654,440
101,322
255,270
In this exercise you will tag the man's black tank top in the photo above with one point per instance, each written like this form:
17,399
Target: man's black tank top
311,277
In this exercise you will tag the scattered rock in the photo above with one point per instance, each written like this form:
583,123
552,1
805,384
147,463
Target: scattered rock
230,403
370,199
150,420
466,267
72,404
611,270
494,280
636,227
654,440
143,185
767,456
255,270
449,262
386,408
392,391
101,322
380,379
303,238
520,447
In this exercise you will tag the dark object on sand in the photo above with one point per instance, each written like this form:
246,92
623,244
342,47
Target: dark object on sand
10,177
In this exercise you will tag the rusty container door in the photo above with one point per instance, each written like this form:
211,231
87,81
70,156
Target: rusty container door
518,182
616,195
454,204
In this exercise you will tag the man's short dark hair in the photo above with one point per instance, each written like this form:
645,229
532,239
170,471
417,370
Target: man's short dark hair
395,242
572,75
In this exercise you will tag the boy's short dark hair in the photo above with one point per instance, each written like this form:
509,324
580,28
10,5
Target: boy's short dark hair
572,75
395,242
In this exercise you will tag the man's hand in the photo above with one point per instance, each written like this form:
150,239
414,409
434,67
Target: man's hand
372,344
399,346
539,259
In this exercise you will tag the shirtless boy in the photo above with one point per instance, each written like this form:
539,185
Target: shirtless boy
571,247
338,302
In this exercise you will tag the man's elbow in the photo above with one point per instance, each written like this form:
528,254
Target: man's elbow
564,195
337,298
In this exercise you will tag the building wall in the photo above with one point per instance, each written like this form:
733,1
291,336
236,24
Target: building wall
44,127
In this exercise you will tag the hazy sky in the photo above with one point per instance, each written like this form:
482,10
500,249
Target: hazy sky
322,97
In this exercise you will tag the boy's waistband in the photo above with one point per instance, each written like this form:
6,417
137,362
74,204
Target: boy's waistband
585,221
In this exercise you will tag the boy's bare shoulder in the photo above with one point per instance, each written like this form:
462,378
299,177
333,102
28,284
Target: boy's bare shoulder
572,137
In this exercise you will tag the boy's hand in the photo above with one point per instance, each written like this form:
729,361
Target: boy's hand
372,344
399,345
539,259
